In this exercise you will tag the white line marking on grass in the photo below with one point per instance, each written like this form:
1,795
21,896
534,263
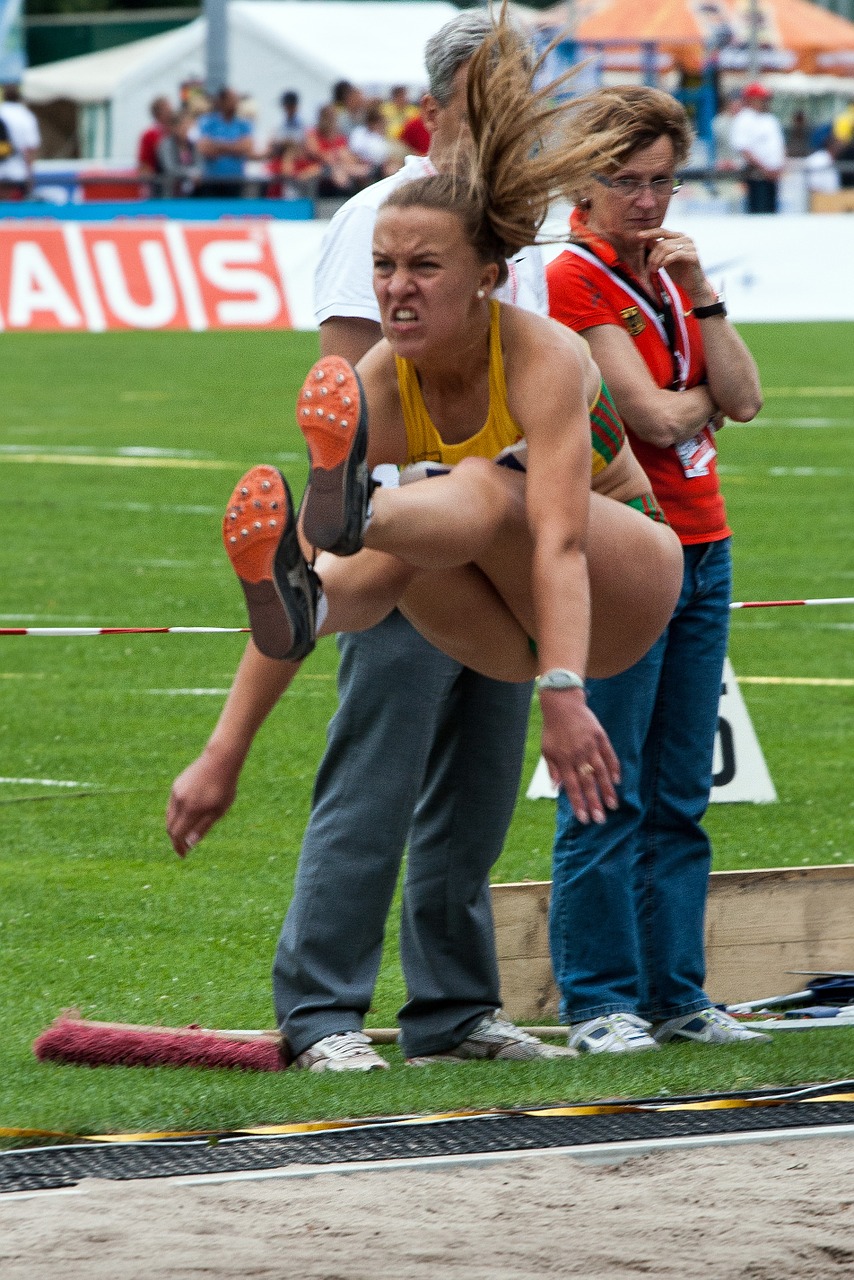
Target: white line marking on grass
759,624
804,392
799,473
800,424
147,508
123,451
96,460
188,693
818,681
45,617
43,782
165,563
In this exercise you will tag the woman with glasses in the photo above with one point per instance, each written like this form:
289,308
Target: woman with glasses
628,897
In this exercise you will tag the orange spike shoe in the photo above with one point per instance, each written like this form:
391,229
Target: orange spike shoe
259,531
332,417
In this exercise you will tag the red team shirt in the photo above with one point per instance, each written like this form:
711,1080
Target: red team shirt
584,291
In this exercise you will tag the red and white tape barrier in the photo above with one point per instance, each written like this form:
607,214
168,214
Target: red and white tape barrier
121,631
225,631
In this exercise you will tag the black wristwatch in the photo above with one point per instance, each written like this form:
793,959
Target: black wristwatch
713,309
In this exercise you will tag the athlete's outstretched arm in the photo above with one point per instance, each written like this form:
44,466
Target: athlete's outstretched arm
207,787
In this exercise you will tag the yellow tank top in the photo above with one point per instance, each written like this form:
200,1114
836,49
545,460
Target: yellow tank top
423,442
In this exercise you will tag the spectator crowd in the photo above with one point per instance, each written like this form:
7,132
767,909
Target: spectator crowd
209,147
202,146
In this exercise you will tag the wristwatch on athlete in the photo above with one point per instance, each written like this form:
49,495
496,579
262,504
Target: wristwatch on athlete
559,678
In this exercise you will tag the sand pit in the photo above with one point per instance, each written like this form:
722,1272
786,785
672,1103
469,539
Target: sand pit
759,1211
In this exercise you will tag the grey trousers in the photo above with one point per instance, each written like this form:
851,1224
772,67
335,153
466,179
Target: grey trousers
422,750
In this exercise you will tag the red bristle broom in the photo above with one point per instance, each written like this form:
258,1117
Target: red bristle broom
75,1040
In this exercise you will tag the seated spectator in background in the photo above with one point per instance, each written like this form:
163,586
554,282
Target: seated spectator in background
822,175
296,173
758,137
725,156
193,98
224,143
176,159
845,163
843,138
369,142
20,139
342,173
843,125
798,135
415,137
398,111
291,127
349,105
147,163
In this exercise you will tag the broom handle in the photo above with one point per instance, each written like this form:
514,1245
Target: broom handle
378,1035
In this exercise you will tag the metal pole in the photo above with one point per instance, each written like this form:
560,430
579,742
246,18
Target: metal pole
216,46
753,45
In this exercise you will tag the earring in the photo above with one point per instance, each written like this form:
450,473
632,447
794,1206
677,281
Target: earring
481,293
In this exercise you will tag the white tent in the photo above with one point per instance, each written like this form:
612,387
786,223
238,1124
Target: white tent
274,45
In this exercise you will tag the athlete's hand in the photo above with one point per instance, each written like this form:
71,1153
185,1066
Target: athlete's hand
199,797
579,756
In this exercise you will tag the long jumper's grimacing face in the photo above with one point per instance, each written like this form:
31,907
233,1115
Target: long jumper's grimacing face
429,281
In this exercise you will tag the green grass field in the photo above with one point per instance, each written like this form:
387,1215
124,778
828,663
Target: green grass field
119,452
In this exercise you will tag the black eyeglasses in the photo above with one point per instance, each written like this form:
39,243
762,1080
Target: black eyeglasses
631,187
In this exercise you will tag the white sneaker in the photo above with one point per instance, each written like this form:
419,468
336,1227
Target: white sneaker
495,1037
707,1026
343,1051
612,1033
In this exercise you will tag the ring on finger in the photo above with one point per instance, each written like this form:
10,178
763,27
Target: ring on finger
586,768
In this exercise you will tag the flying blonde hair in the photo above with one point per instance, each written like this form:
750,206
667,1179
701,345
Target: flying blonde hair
525,151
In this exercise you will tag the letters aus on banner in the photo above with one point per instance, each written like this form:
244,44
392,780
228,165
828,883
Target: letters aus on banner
164,275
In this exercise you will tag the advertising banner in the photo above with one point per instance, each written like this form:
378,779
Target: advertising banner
68,273
157,275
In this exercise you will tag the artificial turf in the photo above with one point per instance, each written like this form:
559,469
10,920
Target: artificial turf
119,451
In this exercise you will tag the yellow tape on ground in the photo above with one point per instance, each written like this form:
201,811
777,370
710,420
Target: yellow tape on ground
327,1126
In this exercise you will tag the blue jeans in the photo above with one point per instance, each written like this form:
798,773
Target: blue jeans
629,897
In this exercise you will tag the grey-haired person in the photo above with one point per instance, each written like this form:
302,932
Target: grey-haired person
441,744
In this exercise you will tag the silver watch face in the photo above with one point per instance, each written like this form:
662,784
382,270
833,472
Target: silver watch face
560,680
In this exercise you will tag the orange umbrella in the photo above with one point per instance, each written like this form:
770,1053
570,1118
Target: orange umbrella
819,39
790,33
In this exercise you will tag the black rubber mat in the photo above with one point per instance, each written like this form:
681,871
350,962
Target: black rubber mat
52,1167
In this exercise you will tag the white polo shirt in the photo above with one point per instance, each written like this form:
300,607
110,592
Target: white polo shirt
24,135
760,133
343,282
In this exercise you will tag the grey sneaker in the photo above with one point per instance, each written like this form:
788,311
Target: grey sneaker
612,1033
495,1037
343,1051
708,1026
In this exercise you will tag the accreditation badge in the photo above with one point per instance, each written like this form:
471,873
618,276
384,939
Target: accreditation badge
633,320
